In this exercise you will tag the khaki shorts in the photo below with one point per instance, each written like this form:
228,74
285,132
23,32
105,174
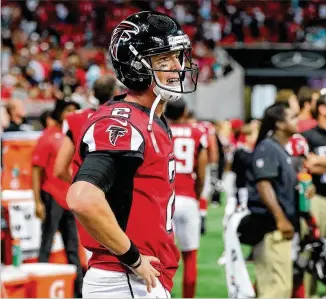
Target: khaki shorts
273,266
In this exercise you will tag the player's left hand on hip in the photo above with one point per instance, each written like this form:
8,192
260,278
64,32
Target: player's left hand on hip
147,272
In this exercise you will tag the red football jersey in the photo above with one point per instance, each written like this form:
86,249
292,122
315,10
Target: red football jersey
297,146
143,204
209,127
188,139
74,122
44,156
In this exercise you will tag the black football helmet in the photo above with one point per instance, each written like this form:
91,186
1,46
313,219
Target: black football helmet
146,34
312,258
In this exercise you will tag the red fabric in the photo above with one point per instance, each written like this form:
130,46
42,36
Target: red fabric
189,274
81,76
74,122
306,124
187,139
44,156
297,146
210,131
153,187
299,291
203,204
6,92
240,140
236,123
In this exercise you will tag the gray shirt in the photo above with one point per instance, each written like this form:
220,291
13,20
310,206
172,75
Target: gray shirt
271,162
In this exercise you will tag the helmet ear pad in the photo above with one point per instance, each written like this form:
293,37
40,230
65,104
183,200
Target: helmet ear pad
134,75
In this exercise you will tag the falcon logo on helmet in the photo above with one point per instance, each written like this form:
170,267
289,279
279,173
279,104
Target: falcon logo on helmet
123,32
115,132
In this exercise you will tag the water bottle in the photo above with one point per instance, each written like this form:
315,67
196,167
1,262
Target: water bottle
305,180
16,253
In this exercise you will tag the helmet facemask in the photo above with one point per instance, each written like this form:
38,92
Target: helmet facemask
183,80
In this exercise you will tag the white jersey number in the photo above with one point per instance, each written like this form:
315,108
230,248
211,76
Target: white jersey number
170,205
169,213
184,150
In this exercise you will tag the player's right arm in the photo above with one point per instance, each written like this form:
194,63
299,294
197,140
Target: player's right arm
39,162
108,141
62,166
213,156
201,166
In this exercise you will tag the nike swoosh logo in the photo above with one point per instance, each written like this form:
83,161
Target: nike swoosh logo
123,123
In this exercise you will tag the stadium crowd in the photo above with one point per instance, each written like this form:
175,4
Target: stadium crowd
48,57
54,49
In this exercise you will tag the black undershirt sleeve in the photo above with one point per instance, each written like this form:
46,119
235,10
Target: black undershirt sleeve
69,134
99,169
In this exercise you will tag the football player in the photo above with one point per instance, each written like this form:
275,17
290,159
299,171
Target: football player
123,189
50,192
190,143
103,90
212,184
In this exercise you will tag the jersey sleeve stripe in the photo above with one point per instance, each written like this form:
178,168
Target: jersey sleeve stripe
89,139
65,127
136,139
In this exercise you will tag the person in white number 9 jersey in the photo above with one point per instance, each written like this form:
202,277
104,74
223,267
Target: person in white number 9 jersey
190,152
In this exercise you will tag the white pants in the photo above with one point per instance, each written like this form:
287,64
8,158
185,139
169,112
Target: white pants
207,189
186,220
111,284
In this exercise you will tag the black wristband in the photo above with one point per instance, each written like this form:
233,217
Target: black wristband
131,256
138,264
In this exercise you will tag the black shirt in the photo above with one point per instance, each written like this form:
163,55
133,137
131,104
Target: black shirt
221,158
271,162
13,127
242,161
316,139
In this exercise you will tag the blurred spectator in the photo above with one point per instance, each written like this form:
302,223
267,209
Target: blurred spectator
46,120
5,119
242,162
288,96
306,120
17,115
205,57
37,37
50,192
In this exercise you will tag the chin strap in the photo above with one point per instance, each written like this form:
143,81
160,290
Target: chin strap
150,123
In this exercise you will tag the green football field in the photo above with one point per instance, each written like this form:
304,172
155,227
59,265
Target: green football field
211,276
